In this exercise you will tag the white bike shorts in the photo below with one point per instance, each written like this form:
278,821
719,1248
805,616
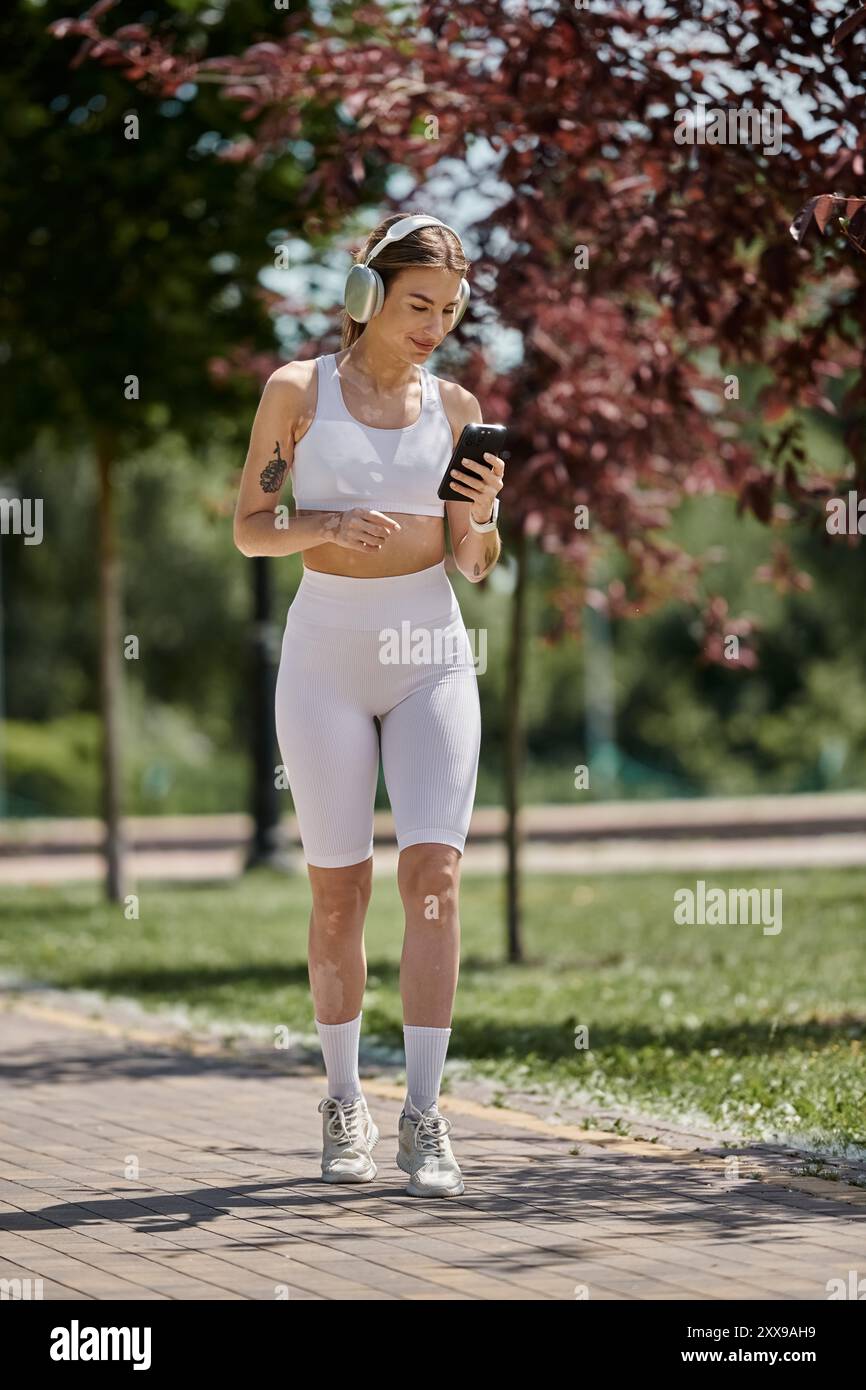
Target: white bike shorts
393,649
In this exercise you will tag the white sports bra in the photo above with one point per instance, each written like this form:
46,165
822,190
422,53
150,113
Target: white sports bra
341,463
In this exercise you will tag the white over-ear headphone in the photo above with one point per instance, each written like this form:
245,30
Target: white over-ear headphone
364,294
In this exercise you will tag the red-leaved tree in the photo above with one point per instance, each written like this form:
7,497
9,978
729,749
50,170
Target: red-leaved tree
628,247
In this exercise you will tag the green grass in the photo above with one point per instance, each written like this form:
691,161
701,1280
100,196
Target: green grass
764,1033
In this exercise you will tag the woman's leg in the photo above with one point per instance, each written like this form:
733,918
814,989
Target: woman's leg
430,744
428,876
338,969
337,963
330,751
338,973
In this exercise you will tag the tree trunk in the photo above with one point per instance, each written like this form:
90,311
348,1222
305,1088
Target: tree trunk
110,679
602,755
514,749
265,847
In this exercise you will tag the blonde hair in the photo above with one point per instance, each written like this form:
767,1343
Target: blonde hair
435,246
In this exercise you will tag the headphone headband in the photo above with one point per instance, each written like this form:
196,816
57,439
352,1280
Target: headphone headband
404,227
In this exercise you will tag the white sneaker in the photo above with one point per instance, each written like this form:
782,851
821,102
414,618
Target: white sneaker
424,1152
349,1135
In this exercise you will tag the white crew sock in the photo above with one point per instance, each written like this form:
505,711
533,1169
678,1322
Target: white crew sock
425,1060
340,1050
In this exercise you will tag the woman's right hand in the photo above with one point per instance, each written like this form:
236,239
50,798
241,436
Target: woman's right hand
360,529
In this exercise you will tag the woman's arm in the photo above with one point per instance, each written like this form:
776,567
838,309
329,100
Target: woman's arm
475,555
262,525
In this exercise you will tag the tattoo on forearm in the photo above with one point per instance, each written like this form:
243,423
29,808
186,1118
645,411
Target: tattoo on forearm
489,556
273,475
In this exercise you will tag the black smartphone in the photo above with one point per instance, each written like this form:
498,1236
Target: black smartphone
474,442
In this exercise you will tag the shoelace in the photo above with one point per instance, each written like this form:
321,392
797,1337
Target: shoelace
346,1122
431,1134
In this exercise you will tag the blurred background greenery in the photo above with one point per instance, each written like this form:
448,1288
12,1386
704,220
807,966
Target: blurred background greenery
104,297
797,723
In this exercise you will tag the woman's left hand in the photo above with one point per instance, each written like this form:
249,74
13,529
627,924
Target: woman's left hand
481,486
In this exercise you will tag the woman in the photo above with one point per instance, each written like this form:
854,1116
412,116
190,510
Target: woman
367,434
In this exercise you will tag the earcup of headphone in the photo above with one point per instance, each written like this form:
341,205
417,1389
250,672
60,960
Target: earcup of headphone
463,295
364,294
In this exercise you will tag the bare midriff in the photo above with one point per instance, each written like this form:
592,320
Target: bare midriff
418,544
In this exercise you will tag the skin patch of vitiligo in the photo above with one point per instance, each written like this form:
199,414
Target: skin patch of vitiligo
327,985
274,473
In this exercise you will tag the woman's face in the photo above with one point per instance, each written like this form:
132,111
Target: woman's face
419,309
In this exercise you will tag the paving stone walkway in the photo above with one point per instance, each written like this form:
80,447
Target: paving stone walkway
134,1169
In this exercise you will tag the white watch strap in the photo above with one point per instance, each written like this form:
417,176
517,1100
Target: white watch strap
486,525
